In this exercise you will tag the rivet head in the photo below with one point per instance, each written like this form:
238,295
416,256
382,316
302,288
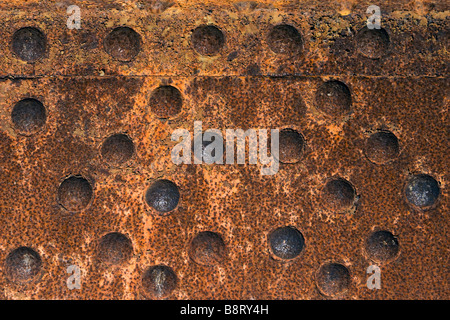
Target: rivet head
422,191
292,145
207,248
333,98
29,44
117,149
285,39
159,281
333,279
114,248
382,147
123,44
382,246
338,195
372,43
163,196
286,242
166,102
75,193
28,116
207,40
23,265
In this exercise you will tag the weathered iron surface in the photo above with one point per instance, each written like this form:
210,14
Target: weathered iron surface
75,176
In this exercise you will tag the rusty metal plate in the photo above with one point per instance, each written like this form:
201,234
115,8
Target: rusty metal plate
92,205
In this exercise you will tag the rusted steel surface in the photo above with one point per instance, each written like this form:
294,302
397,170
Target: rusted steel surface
86,117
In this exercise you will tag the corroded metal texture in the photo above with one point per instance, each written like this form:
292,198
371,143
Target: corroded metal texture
88,183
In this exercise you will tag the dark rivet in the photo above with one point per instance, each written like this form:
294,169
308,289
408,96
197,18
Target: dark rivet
372,43
159,281
123,44
334,98
23,265
382,246
422,191
338,195
117,149
207,248
75,193
291,145
115,248
382,147
285,39
252,70
286,242
207,40
29,44
163,196
28,116
332,279
166,102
